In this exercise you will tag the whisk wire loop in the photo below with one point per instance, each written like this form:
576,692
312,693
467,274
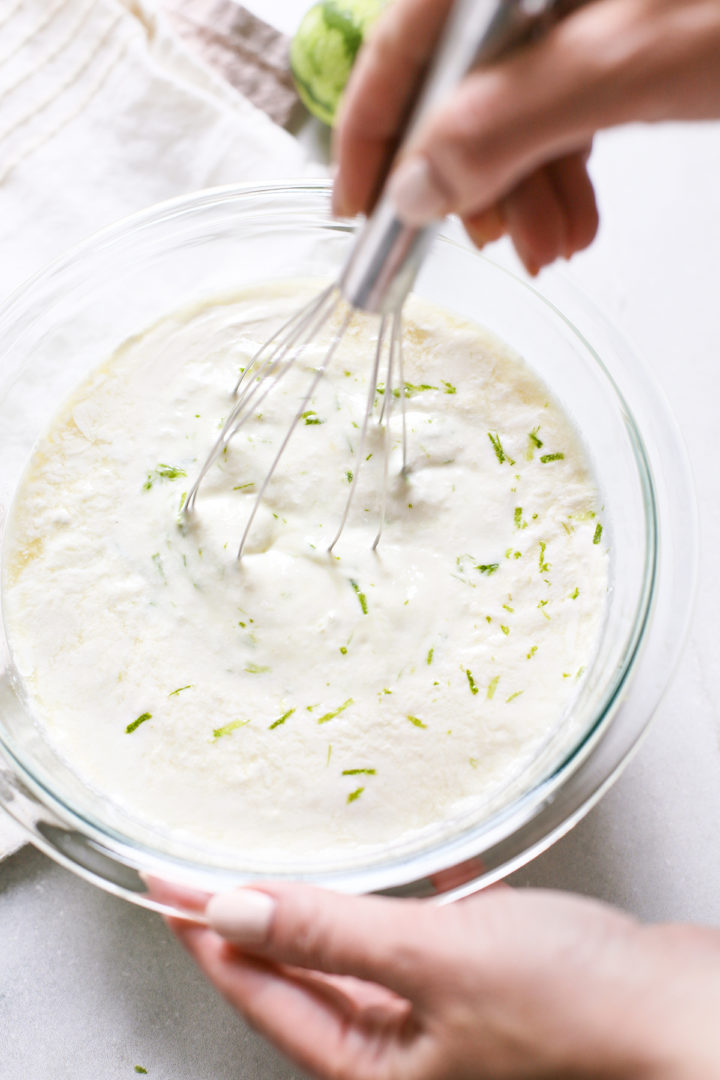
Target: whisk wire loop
319,373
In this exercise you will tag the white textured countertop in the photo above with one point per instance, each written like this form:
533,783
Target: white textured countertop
90,986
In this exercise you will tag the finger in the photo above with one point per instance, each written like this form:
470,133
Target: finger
486,226
305,1020
576,194
541,103
176,896
381,87
535,220
395,943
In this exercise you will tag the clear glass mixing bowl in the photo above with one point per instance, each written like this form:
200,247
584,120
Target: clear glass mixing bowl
74,315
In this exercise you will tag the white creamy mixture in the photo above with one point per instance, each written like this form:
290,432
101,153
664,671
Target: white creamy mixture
300,705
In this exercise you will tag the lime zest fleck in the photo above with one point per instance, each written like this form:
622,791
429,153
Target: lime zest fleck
532,652
579,671
545,458
533,437
140,1069
331,715
515,695
416,721
542,605
343,650
232,726
473,762
510,609
136,723
505,629
169,472
498,448
487,568
244,487
471,682
429,658
256,669
280,720
311,417
329,754
359,772
517,517
180,690
544,566
355,794
449,388
492,687
349,475
597,534
362,599
574,595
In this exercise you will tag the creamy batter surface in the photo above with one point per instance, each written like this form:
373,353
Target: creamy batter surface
299,705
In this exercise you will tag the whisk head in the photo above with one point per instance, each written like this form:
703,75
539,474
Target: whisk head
294,343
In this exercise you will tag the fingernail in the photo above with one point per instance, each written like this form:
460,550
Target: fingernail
417,197
243,917
336,203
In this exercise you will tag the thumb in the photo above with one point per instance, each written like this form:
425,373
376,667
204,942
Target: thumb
599,67
391,942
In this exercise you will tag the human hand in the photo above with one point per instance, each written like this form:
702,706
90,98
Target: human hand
508,150
508,985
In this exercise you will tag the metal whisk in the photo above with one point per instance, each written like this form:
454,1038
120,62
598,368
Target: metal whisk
383,263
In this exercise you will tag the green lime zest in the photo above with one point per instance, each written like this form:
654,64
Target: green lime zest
544,566
311,417
136,723
180,690
515,695
429,658
492,687
416,721
281,719
336,712
355,794
498,448
449,388
362,599
228,728
256,669
169,472
545,458
597,534
359,772
487,568
140,1069
471,682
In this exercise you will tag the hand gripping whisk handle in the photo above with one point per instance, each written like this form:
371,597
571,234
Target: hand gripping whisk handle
387,254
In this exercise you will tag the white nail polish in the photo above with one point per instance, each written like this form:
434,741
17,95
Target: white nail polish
415,194
243,917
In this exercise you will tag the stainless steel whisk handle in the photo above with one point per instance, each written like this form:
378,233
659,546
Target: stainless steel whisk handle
387,254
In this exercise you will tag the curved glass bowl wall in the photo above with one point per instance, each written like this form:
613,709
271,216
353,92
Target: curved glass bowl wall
72,316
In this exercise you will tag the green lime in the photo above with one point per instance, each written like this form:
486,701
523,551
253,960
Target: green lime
324,48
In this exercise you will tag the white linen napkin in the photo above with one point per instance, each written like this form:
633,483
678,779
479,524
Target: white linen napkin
102,112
